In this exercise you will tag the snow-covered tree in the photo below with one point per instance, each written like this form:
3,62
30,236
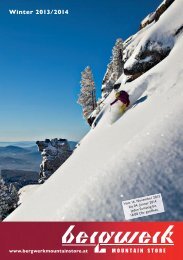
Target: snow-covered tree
117,58
14,198
8,199
114,68
4,197
108,81
108,72
87,96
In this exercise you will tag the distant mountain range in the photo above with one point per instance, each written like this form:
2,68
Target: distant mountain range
20,162
25,144
20,143
22,155
18,158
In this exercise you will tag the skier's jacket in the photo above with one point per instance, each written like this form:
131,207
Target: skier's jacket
123,97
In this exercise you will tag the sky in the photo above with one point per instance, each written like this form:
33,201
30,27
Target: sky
42,56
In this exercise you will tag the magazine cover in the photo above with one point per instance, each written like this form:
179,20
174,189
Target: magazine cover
91,144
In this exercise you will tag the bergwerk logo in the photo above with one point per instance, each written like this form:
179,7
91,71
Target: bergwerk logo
101,240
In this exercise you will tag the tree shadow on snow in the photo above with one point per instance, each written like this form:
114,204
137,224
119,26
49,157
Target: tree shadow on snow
140,100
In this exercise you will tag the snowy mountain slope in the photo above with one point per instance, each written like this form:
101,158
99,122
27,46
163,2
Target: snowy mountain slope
140,154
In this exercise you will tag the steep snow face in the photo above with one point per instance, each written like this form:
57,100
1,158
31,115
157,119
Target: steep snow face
140,154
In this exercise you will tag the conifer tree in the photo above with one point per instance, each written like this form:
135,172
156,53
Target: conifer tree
4,197
13,198
8,199
87,96
114,68
117,58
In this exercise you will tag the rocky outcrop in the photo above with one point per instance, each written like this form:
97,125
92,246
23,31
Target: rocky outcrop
148,57
156,15
54,153
150,51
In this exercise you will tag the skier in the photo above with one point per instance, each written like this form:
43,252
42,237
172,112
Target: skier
124,98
